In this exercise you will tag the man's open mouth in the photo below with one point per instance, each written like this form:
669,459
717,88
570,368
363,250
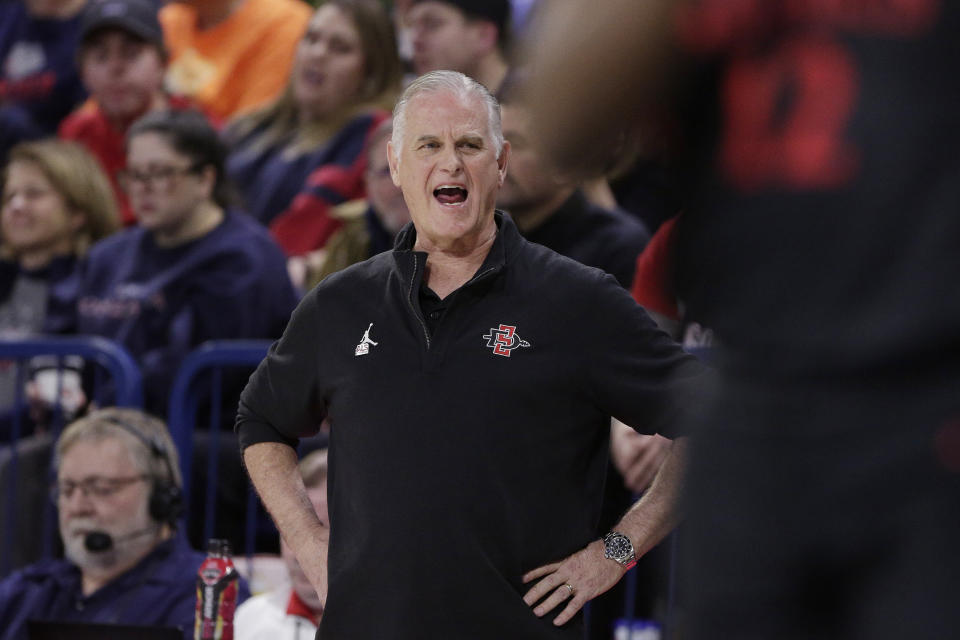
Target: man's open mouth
449,194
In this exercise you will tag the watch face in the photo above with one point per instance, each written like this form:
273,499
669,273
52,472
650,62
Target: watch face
618,547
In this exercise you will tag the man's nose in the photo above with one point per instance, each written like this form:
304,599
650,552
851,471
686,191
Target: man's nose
416,34
450,160
15,203
116,65
78,503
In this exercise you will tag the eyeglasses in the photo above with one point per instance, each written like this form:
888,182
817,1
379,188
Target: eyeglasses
158,177
96,486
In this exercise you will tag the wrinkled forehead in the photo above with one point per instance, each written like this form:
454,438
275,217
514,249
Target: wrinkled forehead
445,113
103,455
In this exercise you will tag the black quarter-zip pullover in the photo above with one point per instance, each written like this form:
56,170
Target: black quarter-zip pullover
464,456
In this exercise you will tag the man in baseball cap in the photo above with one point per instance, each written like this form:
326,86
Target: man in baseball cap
122,62
469,36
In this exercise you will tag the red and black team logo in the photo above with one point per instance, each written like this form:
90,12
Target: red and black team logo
504,340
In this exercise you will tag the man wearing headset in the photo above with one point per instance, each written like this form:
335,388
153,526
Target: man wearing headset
117,492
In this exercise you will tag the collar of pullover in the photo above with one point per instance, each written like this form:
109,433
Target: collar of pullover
410,263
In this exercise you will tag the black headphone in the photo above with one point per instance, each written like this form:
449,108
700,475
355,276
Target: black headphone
166,498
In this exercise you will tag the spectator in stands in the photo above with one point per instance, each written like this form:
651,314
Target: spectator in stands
550,209
231,56
305,152
370,225
194,269
295,608
655,288
117,491
39,84
121,60
56,203
469,36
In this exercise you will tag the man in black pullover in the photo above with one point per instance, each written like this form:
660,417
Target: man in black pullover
469,377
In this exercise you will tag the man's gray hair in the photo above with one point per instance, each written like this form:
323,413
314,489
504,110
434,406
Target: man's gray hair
103,424
455,82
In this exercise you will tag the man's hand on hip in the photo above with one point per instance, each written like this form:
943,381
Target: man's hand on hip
574,581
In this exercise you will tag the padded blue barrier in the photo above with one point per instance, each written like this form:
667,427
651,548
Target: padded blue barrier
116,380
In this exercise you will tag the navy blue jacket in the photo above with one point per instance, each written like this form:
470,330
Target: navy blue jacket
160,303
160,590
39,83
270,179
62,277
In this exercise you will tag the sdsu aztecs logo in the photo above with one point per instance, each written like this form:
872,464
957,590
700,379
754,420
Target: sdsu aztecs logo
504,340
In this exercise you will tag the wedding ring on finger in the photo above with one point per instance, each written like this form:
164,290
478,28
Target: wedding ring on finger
569,589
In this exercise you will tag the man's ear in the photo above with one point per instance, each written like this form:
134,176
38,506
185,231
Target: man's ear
502,161
394,164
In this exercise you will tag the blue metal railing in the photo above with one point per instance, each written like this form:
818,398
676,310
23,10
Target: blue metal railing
112,357
209,358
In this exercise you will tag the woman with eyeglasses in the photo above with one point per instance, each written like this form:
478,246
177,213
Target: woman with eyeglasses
303,154
56,203
193,269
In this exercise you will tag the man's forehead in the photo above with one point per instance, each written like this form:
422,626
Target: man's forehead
104,454
436,113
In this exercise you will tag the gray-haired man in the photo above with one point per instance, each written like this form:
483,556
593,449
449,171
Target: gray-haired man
468,445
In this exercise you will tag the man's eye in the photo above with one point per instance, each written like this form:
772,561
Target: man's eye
101,487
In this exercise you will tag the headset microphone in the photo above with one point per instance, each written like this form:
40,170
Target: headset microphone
100,541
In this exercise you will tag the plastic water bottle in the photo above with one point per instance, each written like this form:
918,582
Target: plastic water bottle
216,594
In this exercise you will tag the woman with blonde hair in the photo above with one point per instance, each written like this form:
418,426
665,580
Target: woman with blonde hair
305,153
56,203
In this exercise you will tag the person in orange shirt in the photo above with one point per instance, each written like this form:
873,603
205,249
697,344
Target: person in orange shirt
231,56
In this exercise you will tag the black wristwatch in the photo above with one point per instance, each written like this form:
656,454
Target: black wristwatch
617,547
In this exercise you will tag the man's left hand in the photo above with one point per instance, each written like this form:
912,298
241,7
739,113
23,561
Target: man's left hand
588,574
